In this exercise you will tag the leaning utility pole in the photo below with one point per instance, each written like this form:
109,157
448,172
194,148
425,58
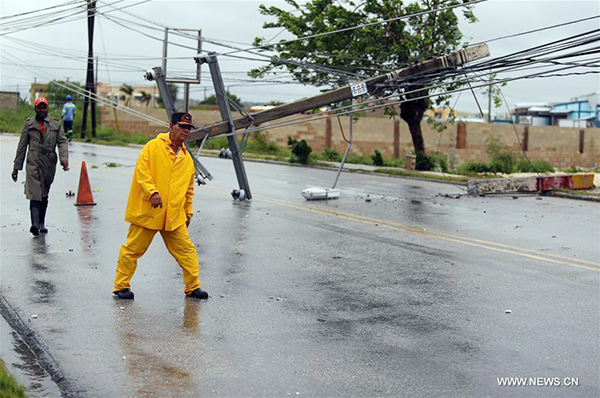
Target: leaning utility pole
446,62
230,125
89,80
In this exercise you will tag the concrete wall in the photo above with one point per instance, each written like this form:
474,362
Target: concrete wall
560,146
9,99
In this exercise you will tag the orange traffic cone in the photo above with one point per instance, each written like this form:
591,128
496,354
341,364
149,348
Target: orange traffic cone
84,194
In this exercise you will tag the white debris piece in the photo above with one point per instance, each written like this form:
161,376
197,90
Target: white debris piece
508,311
320,193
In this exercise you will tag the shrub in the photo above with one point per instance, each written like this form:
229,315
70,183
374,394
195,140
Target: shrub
358,159
440,162
259,144
300,150
503,162
394,162
501,159
535,166
431,161
424,162
474,167
377,158
331,155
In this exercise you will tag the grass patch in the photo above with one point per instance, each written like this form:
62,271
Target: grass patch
9,387
12,121
256,145
111,136
214,143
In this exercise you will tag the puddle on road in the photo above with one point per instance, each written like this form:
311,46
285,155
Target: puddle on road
22,364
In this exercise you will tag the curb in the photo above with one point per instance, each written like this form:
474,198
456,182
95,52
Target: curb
42,354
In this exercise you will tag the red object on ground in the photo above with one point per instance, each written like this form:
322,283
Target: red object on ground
84,194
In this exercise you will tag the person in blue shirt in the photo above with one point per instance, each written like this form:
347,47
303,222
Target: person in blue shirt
68,115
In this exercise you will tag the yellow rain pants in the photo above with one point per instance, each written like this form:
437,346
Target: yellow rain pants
178,244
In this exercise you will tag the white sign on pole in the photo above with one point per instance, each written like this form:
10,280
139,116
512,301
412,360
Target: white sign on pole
359,89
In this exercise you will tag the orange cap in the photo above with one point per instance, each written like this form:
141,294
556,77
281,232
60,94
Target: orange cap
40,100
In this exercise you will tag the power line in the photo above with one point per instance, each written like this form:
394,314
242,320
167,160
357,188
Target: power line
322,68
539,30
85,93
41,9
64,19
471,3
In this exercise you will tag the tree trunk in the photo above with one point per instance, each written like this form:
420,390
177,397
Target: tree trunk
412,112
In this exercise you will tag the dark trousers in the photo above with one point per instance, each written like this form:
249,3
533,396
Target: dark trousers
68,128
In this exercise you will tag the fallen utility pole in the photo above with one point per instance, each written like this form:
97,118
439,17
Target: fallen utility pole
231,125
446,62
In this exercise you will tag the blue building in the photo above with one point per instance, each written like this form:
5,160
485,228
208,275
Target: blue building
582,112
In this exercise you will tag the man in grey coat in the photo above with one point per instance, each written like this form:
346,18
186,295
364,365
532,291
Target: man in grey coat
42,134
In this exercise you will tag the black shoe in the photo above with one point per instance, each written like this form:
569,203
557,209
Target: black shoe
43,229
34,230
199,294
124,294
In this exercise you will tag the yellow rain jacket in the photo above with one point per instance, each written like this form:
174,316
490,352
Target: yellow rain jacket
159,170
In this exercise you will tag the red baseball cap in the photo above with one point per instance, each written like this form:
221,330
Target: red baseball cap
40,101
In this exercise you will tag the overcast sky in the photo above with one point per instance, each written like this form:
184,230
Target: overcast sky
237,23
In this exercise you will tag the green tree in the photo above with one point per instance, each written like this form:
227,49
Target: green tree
57,90
367,51
146,98
128,91
173,89
212,100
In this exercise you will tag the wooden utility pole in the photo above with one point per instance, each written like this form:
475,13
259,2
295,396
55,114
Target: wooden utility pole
446,62
490,93
89,80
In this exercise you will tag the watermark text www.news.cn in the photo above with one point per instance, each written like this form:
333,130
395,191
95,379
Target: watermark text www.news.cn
538,381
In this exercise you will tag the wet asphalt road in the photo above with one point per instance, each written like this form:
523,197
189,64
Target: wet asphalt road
404,296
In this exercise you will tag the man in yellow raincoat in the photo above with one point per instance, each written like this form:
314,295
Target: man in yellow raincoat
160,200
